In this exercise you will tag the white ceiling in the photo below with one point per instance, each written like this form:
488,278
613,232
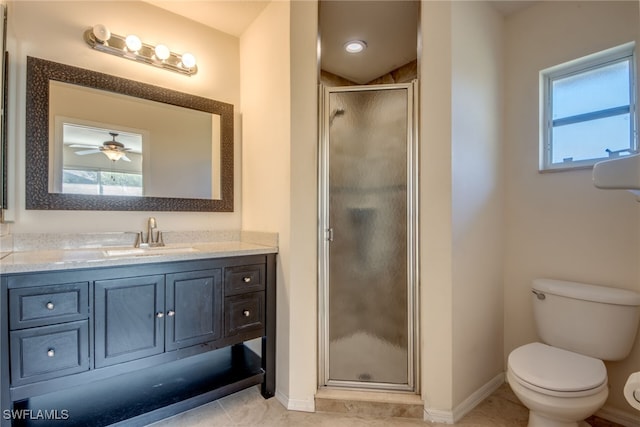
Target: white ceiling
234,16
388,27
229,16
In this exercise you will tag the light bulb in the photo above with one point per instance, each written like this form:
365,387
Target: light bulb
101,33
133,43
188,60
162,52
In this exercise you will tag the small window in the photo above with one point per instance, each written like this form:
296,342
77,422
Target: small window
588,110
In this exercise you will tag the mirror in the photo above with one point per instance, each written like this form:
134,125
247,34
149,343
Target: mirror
99,142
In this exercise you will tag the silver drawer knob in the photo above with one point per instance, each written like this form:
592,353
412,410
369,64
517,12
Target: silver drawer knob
159,314
51,352
246,313
50,305
171,313
246,279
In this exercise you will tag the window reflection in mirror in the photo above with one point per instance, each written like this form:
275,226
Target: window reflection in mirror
99,161
181,146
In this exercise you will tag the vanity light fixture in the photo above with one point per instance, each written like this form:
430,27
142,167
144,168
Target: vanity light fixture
131,47
355,46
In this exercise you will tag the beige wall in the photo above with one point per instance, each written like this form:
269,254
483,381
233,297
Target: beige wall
304,202
461,201
559,225
477,197
279,110
53,30
266,153
436,293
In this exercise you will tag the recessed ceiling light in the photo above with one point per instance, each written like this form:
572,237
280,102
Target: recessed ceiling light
355,46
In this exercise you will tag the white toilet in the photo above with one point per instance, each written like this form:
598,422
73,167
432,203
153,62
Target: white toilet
564,380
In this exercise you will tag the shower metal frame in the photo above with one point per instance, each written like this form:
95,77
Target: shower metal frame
325,235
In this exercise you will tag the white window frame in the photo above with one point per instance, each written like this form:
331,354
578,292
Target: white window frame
625,52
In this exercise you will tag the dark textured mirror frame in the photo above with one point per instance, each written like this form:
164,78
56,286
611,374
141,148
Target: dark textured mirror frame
40,72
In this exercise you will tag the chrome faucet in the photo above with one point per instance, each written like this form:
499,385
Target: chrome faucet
150,240
151,226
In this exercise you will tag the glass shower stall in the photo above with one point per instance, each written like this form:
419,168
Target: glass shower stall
368,248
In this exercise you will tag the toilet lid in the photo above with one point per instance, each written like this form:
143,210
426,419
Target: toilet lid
556,369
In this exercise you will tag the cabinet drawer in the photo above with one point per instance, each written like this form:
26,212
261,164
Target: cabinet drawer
245,278
50,351
46,305
243,313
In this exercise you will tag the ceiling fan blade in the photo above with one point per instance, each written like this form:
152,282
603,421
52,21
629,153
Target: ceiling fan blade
84,152
81,146
125,158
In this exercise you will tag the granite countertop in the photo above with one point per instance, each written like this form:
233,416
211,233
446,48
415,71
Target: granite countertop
45,258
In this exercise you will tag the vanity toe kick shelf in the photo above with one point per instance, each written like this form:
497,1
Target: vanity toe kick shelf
133,344
151,394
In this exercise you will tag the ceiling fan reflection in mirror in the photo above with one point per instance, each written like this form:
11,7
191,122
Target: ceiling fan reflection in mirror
113,149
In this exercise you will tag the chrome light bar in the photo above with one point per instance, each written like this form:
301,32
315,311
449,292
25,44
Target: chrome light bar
130,47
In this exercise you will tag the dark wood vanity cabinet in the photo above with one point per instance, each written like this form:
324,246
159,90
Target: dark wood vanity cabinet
131,345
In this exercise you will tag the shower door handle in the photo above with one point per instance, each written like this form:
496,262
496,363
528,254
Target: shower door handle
330,234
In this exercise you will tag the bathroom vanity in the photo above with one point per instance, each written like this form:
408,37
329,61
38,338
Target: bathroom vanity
131,341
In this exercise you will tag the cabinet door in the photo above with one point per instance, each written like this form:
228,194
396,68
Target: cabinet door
129,319
194,308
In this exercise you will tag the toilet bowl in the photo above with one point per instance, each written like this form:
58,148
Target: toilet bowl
560,388
563,380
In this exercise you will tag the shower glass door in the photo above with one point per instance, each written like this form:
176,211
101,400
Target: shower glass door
368,252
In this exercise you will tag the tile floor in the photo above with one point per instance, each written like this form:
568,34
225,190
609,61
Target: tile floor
248,408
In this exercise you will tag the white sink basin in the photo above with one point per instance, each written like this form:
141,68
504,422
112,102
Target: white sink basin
161,250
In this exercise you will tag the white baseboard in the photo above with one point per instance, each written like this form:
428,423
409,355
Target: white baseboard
477,397
452,417
438,416
617,416
302,405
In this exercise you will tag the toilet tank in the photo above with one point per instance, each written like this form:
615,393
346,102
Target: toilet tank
596,321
